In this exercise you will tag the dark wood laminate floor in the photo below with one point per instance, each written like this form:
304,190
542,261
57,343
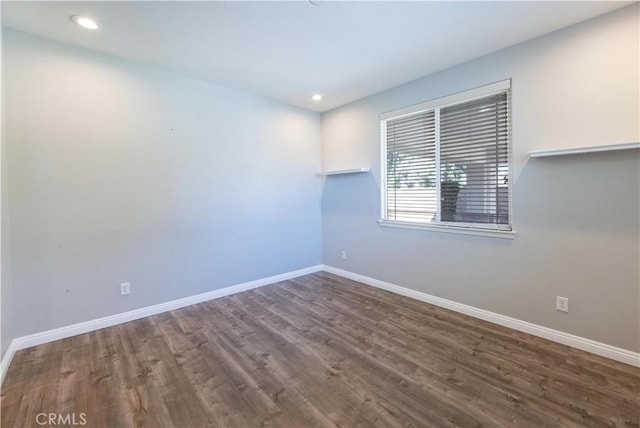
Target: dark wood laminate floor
319,350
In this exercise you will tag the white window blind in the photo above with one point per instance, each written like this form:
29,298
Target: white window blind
449,164
411,167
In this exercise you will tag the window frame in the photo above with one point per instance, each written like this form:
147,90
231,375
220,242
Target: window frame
481,229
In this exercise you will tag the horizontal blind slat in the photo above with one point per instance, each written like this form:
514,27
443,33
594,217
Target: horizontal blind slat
474,158
410,162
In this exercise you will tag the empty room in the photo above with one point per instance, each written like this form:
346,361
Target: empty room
320,213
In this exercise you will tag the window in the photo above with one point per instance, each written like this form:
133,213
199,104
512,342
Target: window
446,163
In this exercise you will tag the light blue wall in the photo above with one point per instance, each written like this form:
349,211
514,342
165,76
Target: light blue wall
122,172
6,297
577,217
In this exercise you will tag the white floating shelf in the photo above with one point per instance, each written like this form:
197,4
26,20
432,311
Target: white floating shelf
579,150
345,171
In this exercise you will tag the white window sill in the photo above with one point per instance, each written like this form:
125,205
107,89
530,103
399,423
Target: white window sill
491,233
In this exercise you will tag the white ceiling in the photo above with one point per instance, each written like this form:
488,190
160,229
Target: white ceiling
289,50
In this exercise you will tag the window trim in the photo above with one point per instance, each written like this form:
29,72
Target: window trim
489,230
442,102
447,228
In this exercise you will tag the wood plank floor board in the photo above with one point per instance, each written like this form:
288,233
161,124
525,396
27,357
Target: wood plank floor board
251,374
282,389
316,369
302,376
555,354
317,351
511,381
299,314
324,342
408,379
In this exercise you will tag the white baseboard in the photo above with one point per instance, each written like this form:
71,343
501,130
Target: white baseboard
108,321
598,348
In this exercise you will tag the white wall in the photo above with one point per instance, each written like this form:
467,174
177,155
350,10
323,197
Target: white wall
577,217
122,172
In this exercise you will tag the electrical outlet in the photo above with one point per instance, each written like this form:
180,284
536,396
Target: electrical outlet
125,288
562,304
344,255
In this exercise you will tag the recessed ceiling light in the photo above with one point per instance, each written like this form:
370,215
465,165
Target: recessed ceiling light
85,22
316,97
